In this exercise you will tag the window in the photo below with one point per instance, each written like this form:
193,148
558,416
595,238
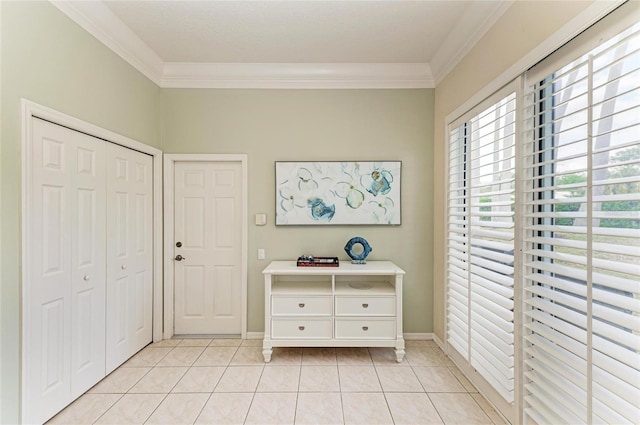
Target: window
582,238
543,235
480,251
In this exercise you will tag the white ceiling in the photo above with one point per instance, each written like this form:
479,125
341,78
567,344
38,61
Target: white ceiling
289,43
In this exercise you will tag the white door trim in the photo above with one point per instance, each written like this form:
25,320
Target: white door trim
169,162
30,110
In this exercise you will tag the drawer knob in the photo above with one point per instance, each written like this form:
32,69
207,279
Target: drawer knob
365,328
365,305
301,305
301,328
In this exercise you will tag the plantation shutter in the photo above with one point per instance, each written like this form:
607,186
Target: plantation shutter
582,236
458,257
480,240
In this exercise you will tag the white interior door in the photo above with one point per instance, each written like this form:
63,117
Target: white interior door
207,234
129,253
65,289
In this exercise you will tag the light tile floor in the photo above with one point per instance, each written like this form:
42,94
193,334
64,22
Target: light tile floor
225,381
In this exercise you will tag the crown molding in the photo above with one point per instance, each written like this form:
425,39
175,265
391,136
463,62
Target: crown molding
444,61
297,75
99,21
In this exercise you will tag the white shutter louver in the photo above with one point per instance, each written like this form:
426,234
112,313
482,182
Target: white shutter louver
582,243
480,250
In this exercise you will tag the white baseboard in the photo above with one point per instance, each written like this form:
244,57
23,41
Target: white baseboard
439,342
425,335
255,335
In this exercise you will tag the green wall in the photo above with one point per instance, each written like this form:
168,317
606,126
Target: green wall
48,59
319,125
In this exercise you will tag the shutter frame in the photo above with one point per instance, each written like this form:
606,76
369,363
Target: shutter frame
581,276
481,240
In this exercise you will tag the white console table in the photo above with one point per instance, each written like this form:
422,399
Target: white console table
354,305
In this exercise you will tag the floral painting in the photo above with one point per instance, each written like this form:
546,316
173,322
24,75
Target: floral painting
352,192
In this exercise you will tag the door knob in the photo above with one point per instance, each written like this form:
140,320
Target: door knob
179,258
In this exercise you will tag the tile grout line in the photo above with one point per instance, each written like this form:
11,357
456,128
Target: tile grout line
295,407
295,411
253,397
171,389
466,391
211,393
203,406
340,387
431,401
384,393
105,412
436,409
127,392
246,415
178,381
156,408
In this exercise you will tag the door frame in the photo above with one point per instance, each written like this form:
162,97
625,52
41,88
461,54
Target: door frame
169,284
31,110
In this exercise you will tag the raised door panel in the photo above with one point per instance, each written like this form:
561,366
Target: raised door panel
194,293
129,253
224,292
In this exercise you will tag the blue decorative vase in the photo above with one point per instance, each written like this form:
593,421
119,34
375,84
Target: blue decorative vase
358,258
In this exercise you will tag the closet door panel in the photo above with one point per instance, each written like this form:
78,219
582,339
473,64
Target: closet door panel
129,253
142,247
118,256
88,263
64,292
48,299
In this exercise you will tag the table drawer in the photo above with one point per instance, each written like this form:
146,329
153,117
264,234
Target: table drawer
365,328
302,328
365,306
301,305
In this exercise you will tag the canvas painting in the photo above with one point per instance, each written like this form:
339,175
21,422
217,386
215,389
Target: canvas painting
340,193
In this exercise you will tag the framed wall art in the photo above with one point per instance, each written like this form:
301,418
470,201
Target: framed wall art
338,192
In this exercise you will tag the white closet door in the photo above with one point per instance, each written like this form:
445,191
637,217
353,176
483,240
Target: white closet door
129,253
65,288
88,264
